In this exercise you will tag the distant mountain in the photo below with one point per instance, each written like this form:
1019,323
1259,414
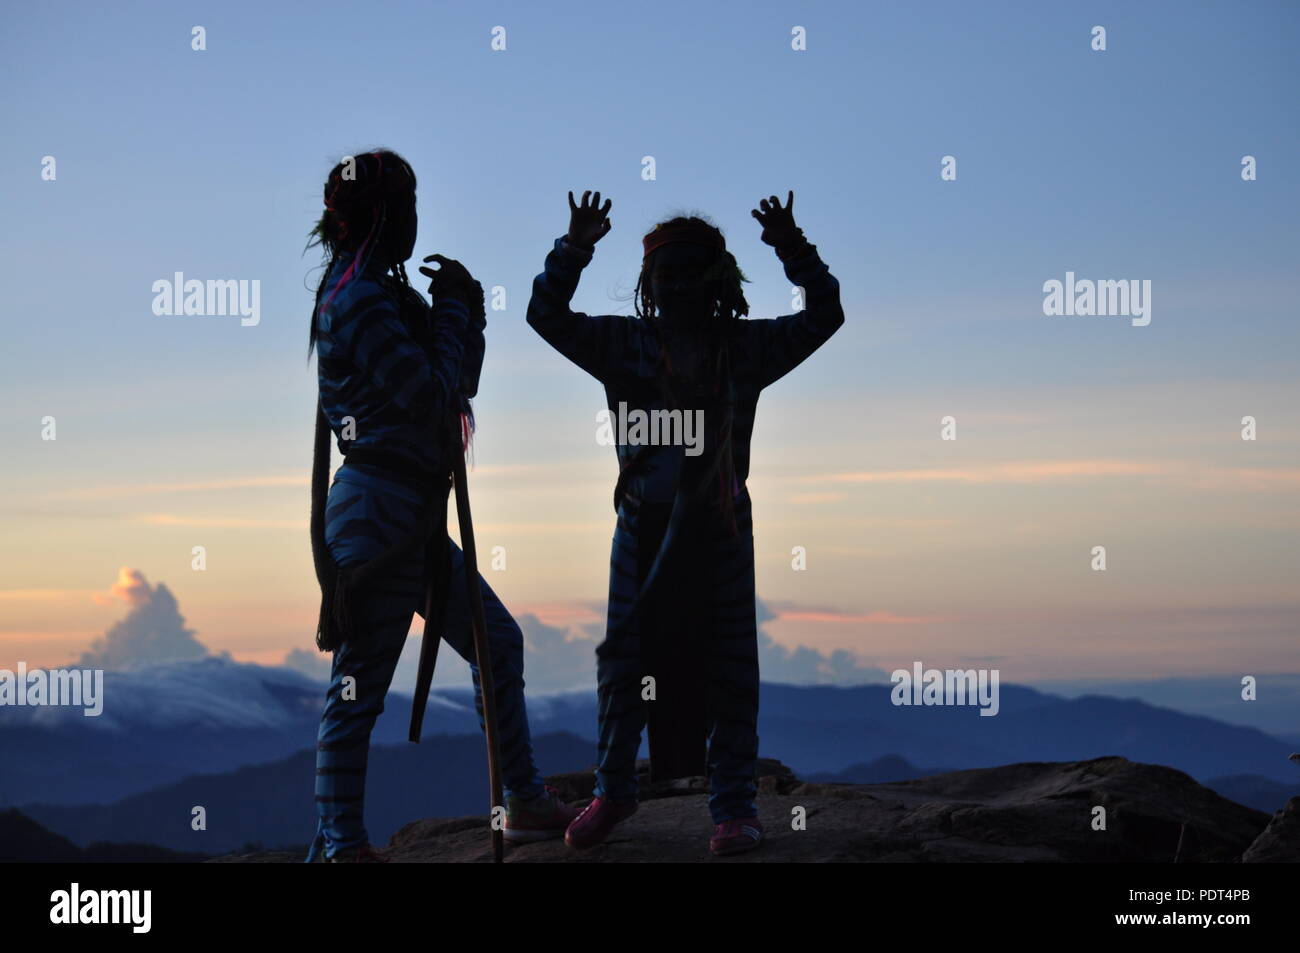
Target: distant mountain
166,723
163,723
1255,791
23,841
881,771
271,804
825,728
1273,710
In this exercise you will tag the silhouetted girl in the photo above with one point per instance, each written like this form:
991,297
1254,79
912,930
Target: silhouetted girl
681,583
395,383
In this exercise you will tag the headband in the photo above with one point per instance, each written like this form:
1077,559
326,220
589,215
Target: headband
351,192
691,232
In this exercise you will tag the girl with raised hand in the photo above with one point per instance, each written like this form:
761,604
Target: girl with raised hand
395,382
681,645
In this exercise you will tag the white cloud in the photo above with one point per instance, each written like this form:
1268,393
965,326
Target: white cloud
152,632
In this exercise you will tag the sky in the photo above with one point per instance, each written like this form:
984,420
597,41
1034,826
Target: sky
1072,431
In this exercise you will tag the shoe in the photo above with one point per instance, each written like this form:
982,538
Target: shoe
361,854
736,836
596,821
541,818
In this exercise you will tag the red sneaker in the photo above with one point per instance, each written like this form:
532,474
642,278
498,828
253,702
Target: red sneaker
596,821
736,836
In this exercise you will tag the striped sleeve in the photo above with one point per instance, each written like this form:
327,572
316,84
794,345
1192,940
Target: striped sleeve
370,331
594,343
782,344
472,360
450,319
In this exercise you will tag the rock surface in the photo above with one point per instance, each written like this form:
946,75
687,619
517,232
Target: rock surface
1280,842
1030,812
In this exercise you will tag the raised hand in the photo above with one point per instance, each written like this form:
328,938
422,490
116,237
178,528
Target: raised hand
588,222
779,229
453,280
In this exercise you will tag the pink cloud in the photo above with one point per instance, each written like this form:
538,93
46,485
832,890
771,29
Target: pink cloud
1045,471
815,498
1020,472
169,519
199,486
130,587
834,616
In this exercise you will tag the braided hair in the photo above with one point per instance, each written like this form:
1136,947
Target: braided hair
722,280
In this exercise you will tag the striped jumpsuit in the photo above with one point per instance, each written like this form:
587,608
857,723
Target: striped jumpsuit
372,370
701,611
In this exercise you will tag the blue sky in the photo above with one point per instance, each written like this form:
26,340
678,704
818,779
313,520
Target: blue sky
1115,164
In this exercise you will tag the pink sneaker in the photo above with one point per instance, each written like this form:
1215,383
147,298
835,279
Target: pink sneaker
736,836
596,821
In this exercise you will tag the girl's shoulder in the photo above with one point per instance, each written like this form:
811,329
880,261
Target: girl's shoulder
344,291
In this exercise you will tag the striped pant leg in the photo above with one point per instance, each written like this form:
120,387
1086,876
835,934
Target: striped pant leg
733,676
361,521
620,709
519,774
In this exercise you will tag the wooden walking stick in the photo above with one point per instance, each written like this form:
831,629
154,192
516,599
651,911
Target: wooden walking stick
482,652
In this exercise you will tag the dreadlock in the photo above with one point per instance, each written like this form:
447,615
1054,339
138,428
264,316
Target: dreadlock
722,280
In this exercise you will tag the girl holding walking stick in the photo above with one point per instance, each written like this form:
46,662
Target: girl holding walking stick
395,381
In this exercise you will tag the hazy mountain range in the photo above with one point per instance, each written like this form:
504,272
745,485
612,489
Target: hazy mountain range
239,739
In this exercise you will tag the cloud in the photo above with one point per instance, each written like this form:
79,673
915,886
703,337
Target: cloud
563,658
1196,476
170,519
558,658
314,664
131,587
814,498
803,665
559,473
541,529
1030,471
290,481
54,595
153,631
786,612
806,666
